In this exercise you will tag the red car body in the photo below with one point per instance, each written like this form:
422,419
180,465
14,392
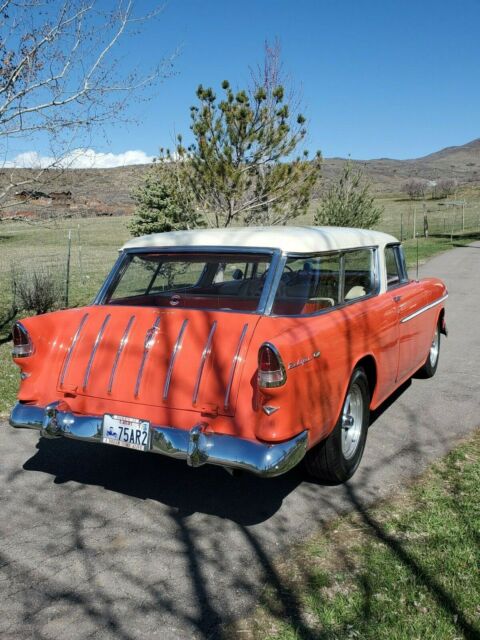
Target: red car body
193,374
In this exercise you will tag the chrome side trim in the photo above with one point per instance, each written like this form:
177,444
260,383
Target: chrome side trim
423,309
197,446
68,357
147,345
94,351
121,346
206,352
235,360
173,357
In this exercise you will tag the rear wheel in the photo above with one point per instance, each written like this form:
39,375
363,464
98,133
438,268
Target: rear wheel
335,459
430,365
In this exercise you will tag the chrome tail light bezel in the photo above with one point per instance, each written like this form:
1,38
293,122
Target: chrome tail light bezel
22,348
276,377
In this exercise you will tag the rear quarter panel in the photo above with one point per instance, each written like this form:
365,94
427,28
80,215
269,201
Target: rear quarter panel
320,353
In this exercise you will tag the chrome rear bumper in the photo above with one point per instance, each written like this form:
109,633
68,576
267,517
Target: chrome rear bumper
197,446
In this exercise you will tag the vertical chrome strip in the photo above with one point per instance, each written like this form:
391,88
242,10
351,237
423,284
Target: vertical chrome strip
147,345
94,351
206,352
66,364
234,366
271,283
121,346
173,357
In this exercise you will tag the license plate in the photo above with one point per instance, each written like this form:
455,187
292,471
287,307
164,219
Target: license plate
126,432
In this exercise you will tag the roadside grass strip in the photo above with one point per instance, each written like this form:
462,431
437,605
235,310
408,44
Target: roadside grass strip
9,378
406,569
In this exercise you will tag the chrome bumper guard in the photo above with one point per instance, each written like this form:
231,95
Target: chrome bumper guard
197,446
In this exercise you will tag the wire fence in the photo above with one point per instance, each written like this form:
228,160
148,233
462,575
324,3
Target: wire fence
445,219
69,258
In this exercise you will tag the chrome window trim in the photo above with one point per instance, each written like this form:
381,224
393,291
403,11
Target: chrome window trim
425,308
277,267
403,275
115,274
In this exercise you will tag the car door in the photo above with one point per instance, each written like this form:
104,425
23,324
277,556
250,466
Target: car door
408,296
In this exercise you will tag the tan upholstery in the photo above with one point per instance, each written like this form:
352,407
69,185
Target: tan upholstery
355,292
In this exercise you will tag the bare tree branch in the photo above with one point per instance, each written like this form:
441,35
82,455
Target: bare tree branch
60,74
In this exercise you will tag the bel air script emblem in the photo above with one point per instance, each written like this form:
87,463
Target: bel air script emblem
302,361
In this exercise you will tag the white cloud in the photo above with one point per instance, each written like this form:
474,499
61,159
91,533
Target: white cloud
79,159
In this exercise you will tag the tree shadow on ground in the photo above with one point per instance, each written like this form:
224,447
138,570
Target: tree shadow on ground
244,498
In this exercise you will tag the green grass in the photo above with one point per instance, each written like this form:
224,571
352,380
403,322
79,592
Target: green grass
405,569
9,379
94,245
429,247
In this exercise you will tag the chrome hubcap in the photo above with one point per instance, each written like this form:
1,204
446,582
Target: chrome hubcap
352,420
434,348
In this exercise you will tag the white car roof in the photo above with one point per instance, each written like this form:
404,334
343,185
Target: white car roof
288,239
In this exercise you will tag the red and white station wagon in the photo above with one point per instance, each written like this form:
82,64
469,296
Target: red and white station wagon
246,348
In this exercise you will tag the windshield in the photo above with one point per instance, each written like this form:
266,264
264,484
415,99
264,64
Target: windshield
194,281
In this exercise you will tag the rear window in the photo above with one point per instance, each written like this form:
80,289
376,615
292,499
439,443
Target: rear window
194,281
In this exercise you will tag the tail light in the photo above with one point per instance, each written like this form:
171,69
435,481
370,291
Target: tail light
271,371
22,343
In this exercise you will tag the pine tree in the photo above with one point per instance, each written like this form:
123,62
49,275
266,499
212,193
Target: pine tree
164,203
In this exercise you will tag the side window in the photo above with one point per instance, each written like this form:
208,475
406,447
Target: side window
308,284
395,266
359,274
402,263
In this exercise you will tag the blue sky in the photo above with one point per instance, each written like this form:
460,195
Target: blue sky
378,78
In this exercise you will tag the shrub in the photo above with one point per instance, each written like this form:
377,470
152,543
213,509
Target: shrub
415,188
445,187
38,291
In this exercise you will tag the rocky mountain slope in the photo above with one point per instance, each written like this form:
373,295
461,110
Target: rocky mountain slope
99,192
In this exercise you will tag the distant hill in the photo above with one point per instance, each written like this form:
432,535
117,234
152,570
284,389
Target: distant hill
388,175
108,191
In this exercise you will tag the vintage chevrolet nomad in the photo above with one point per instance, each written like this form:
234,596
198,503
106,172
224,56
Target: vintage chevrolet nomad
246,348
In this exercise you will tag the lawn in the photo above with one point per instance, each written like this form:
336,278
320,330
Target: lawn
405,569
